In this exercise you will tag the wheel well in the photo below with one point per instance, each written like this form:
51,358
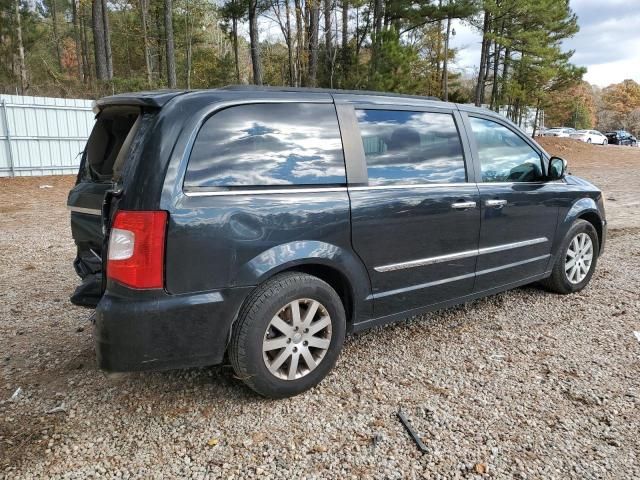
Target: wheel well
335,279
594,220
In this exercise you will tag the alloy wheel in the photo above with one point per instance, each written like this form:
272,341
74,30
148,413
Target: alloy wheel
297,339
578,258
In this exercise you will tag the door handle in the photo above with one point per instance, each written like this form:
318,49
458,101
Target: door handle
463,205
498,203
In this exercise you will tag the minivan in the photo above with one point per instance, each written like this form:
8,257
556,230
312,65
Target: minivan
261,225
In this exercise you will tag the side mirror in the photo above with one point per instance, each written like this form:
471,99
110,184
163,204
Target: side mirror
557,168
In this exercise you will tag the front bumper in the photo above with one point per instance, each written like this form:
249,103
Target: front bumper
152,330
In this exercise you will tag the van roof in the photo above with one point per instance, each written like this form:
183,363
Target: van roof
158,98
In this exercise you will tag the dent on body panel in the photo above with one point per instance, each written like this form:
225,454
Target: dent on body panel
233,240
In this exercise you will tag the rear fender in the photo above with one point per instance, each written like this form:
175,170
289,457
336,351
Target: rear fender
290,255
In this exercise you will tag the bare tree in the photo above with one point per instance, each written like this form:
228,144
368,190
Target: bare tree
445,62
107,39
328,37
170,48
314,28
147,53
77,40
285,28
23,68
484,55
255,42
98,41
56,35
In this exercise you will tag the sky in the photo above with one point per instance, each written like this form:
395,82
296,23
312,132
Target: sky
608,42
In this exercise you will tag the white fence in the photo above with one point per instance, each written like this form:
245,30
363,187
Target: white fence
42,136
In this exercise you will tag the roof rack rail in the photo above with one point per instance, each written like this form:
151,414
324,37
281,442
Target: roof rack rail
265,88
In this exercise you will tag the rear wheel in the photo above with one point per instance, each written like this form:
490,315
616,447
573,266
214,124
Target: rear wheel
588,140
576,260
288,335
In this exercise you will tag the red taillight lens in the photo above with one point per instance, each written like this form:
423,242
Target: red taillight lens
136,249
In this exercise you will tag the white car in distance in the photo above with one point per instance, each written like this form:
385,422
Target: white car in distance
589,136
558,132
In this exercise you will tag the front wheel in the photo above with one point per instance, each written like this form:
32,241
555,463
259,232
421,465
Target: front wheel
604,142
288,335
588,140
577,258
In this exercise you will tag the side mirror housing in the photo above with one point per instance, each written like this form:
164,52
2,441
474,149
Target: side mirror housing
557,168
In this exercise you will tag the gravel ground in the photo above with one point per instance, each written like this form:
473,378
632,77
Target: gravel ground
524,384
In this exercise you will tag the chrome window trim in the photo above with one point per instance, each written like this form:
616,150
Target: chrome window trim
458,255
88,211
264,191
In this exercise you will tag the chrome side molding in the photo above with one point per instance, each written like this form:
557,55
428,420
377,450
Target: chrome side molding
458,255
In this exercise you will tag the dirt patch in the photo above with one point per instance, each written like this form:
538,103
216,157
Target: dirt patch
614,169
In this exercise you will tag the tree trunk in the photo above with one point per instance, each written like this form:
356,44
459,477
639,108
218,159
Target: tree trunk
98,41
345,33
535,120
86,60
445,62
328,38
147,53
107,39
255,42
234,29
314,30
188,28
56,36
486,74
505,75
299,42
170,49
496,65
438,51
289,42
23,68
77,40
484,53
377,30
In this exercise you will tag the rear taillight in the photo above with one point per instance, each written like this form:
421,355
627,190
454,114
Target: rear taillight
136,249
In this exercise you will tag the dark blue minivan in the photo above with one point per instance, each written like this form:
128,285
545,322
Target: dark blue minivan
267,223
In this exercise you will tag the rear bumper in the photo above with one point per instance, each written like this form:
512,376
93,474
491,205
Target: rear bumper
152,330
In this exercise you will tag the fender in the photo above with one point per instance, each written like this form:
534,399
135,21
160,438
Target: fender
308,253
579,208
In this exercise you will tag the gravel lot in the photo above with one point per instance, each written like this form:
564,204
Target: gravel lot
525,384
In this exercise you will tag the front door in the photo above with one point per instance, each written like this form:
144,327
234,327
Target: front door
519,207
416,224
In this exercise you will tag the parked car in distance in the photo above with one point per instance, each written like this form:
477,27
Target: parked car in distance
559,132
265,224
621,137
590,136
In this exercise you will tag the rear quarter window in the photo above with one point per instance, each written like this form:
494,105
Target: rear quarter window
268,145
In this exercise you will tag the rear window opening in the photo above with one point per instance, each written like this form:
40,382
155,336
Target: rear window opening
109,143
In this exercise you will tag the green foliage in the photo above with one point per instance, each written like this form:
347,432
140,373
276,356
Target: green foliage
391,45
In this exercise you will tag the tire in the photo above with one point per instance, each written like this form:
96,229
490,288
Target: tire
588,140
566,280
255,327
